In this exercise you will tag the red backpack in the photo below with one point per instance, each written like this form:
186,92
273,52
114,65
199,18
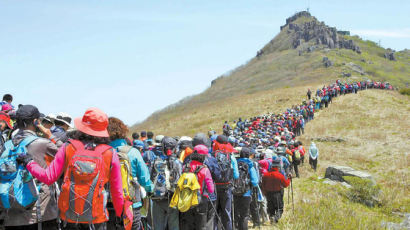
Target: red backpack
83,197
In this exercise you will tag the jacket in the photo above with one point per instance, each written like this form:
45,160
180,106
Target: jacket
228,148
138,168
253,175
274,181
204,177
40,150
53,172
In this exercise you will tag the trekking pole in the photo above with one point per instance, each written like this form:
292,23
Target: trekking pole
233,214
293,203
288,195
216,214
38,206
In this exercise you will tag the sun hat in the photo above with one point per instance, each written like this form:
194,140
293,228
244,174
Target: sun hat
50,118
94,122
6,118
63,117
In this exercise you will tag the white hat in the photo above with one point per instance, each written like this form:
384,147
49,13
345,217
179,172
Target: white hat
63,117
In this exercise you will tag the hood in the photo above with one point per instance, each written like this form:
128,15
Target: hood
20,135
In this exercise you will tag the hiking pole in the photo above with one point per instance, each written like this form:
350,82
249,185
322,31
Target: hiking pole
216,213
288,195
233,214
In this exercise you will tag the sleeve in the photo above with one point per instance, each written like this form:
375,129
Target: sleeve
140,170
52,172
285,182
234,165
52,148
208,181
116,185
254,177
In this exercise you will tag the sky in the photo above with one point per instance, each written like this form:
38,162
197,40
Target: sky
131,58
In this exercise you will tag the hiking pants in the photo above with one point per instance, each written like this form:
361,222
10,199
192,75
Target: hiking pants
224,207
211,215
195,218
296,168
254,210
242,206
313,163
136,221
275,203
163,215
51,224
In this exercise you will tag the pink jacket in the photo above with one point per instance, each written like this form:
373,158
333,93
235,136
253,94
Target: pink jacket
56,167
204,174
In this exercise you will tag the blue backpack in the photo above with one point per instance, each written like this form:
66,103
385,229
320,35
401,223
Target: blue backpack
17,186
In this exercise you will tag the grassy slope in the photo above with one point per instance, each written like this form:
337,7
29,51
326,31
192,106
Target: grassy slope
375,124
279,68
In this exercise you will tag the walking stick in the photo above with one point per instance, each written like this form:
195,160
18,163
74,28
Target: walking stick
288,195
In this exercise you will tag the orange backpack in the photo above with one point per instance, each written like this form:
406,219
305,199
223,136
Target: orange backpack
83,197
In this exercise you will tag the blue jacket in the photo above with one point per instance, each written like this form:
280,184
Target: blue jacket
138,168
252,174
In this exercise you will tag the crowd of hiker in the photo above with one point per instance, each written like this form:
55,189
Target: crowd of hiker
92,176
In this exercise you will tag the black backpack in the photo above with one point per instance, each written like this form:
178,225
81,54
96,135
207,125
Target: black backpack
242,184
224,163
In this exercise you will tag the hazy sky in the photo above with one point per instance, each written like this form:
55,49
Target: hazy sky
131,58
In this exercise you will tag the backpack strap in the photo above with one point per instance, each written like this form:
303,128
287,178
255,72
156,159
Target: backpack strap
26,141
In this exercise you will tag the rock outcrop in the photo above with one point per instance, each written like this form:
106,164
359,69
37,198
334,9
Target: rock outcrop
338,172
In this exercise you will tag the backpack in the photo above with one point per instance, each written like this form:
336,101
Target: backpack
17,187
297,154
165,175
212,164
242,184
224,163
149,158
187,194
131,187
83,197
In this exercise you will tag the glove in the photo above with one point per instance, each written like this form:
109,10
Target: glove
24,159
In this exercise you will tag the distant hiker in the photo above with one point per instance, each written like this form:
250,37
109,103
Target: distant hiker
143,135
5,129
243,187
309,94
48,121
62,123
136,142
226,129
313,155
84,160
7,100
273,184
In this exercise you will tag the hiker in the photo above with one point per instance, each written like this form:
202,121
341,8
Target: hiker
143,136
196,217
48,121
40,151
243,186
86,160
165,174
62,123
5,129
7,100
222,151
149,142
273,184
313,155
135,168
137,143
309,94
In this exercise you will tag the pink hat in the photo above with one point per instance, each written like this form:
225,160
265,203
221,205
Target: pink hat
94,123
6,107
201,149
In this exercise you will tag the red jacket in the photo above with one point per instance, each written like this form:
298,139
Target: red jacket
274,181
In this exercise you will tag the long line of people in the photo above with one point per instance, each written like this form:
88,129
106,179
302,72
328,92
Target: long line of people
92,176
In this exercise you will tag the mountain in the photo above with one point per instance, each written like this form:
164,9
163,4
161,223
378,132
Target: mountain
305,53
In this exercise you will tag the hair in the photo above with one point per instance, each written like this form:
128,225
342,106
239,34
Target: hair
143,134
7,97
78,135
135,135
150,135
24,123
116,128
195,156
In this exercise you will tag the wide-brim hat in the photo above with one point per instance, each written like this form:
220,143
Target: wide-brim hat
6,118
64,117
94,123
